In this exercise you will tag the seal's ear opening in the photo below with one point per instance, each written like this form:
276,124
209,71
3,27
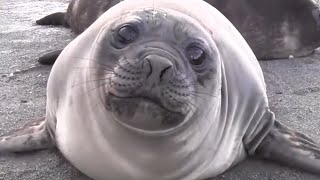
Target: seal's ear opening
31,137
290,148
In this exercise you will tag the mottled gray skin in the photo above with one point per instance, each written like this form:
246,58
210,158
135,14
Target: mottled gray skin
153,90
274,29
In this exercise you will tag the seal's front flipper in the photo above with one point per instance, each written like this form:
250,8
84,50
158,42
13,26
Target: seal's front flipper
290,148
50,57
54,19
33,136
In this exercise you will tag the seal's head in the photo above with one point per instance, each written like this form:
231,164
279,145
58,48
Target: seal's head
163,68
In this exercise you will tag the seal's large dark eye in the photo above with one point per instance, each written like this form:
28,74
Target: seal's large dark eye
196,55
127,34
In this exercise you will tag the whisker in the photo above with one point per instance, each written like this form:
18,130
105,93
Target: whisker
203,93
92,89
198,96
99,68
97,62
192,105
101,73
103,64
94,80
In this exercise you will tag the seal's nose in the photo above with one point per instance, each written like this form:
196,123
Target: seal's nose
159,69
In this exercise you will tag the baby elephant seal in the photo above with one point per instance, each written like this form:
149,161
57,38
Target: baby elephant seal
161,90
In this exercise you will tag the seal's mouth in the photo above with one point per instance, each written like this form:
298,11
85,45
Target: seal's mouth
143,114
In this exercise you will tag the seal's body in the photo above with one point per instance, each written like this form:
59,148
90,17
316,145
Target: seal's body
273,29
157,91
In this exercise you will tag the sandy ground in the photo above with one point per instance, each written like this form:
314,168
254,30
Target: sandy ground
293,90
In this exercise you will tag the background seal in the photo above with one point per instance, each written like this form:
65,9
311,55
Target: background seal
273,29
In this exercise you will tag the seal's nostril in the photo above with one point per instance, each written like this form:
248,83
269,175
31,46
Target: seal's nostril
150,67
164,71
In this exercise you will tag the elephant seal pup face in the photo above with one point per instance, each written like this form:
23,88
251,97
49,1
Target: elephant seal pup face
162,66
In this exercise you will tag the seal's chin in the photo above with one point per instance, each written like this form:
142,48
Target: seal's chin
143,114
